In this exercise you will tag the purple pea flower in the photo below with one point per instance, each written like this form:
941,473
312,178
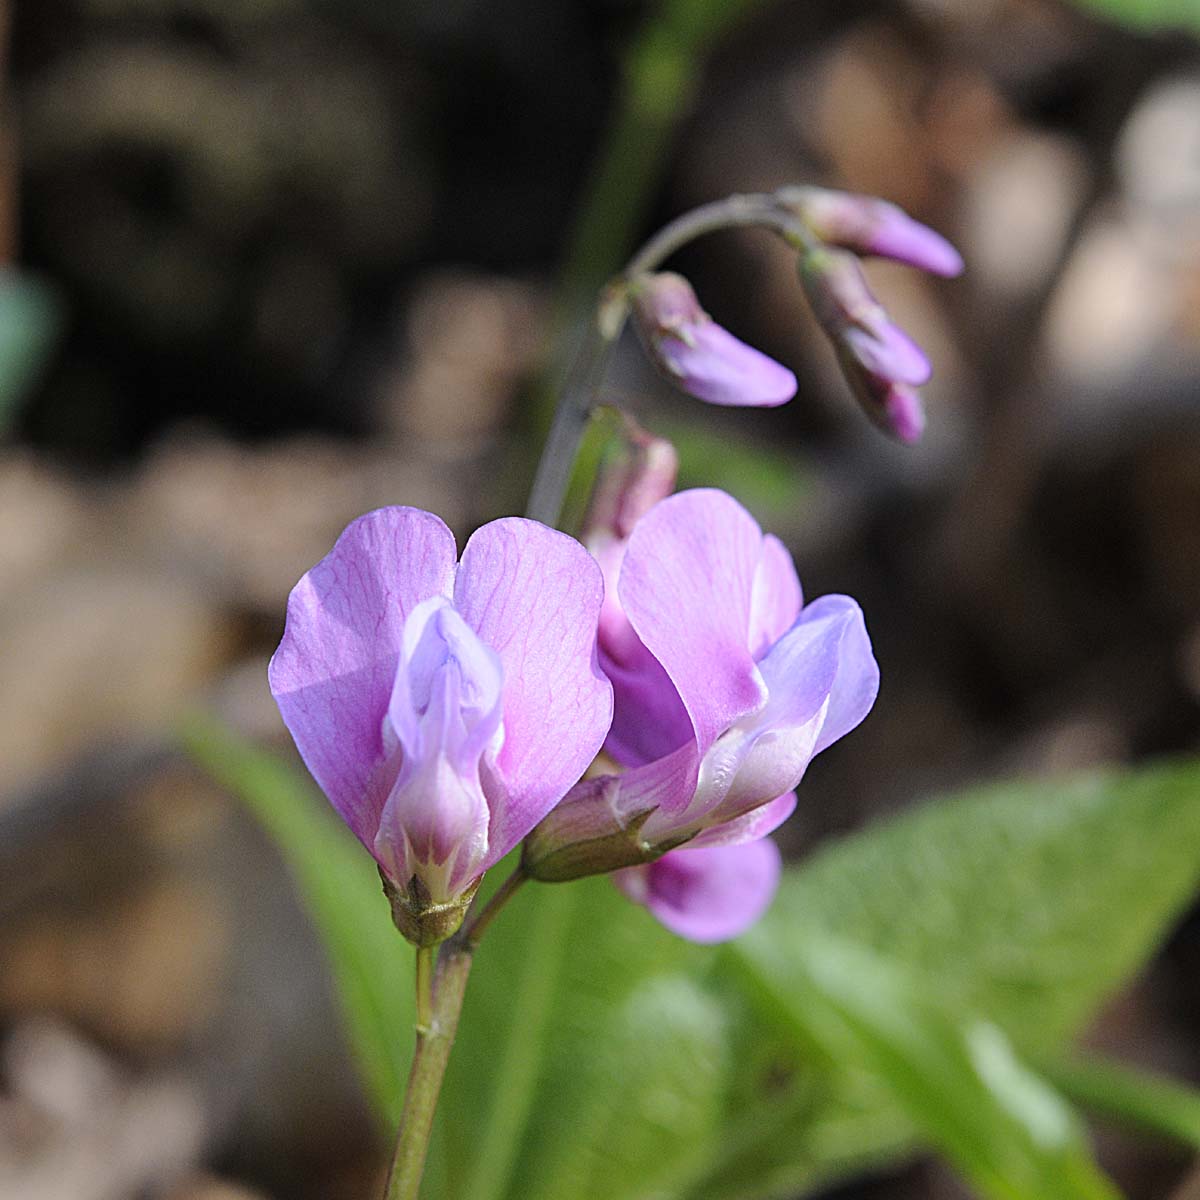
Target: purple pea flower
725,686
443,707
696,354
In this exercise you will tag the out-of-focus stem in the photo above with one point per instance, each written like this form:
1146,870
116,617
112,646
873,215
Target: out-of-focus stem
733,211
586,373
477,925
578,396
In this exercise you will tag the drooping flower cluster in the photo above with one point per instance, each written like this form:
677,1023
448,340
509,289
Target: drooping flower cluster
880,362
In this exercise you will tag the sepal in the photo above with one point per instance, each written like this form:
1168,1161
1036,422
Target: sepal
422,921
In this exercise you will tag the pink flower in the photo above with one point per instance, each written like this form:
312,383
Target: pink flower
444,707
725,685
698,355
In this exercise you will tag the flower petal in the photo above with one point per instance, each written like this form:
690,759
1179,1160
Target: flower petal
333,672
857,683
768,752
708,362
776,597
694,556
710,894
750,826
533,595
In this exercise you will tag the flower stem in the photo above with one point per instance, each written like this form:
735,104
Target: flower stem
583,380
440,992
586,372
758,208
425,965
434,1041
475,927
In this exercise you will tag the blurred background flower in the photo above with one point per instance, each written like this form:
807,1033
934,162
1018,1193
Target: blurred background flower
271,263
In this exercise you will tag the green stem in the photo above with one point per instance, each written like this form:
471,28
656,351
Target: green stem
554,468
758,208
425,964
432,1053
440,993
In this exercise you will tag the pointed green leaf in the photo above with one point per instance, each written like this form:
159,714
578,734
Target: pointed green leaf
1026,903
959,1083
372,964
589,1063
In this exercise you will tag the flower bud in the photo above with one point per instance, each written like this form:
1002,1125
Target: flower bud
881,363
698,355
588,834
867,225
639,474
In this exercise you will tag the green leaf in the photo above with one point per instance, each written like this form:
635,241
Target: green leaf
959,1083
1028,902
591,1060
1025,903
372,964
600,1056
1120,1093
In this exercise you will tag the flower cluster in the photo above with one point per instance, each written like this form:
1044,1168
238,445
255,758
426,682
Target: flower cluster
880,362
449,709
643,704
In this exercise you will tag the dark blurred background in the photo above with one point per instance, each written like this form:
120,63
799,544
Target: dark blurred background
272,263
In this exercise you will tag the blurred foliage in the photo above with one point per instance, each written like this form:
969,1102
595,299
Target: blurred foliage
341,888
958,1082
29,323
599,1056
1149,14
1148,1102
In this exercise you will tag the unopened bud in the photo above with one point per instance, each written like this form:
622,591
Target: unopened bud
588,835
881,363
867,225
636,476
697,354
